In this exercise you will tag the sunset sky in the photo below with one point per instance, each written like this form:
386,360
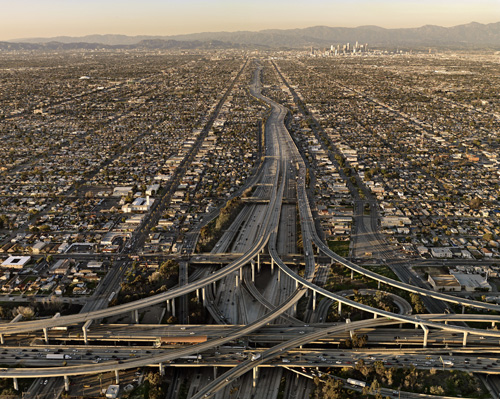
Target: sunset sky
46,18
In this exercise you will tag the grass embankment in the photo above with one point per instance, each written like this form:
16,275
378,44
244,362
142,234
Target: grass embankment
212,232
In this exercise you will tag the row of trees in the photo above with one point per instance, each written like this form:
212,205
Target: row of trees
139,284
210,233
377,375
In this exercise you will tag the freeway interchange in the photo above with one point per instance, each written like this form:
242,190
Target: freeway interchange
265,225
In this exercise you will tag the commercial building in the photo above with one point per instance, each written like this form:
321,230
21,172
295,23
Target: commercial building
16,262
444,282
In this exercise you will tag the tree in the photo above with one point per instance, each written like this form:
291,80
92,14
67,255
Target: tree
476,203
332,389
27,312
488,237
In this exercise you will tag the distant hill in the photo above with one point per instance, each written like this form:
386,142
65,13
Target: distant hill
469,35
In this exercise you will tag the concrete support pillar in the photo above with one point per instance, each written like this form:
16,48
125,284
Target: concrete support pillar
66,383
241,273
162,369
351,332
296,284
272,266
168,305
463,309
379,284
135,316
279,275
215,286
46,335
173,307
375,315
215,372
252,265
492,326
258,262
204,296
85,329
16,384
198,295
340,308
464,343
117,377
1,339
426,334
236,281
314,300
352,274
255,376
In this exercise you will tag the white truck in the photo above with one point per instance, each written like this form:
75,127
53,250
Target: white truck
255,356
57,356
357,383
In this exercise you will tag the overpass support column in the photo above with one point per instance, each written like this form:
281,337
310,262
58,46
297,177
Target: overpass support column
168,305
379,284
464,343
272,266
463,309
426,334
255,376
351,332
66,383
215,372
258,262
241,273
1,339
204,296
314,300
279,274
46,335
492,326
85,328
252,264
162,369
198,295
135,316
173,307
117,377
340,308
352,274
236,281
374,315
16,384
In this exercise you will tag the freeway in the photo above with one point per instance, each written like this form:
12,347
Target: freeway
278,174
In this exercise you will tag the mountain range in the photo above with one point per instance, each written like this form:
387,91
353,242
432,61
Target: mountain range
462,36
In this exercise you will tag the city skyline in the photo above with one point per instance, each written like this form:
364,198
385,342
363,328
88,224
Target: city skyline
27,19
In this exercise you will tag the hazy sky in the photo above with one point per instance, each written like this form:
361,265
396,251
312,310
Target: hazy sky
45,18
